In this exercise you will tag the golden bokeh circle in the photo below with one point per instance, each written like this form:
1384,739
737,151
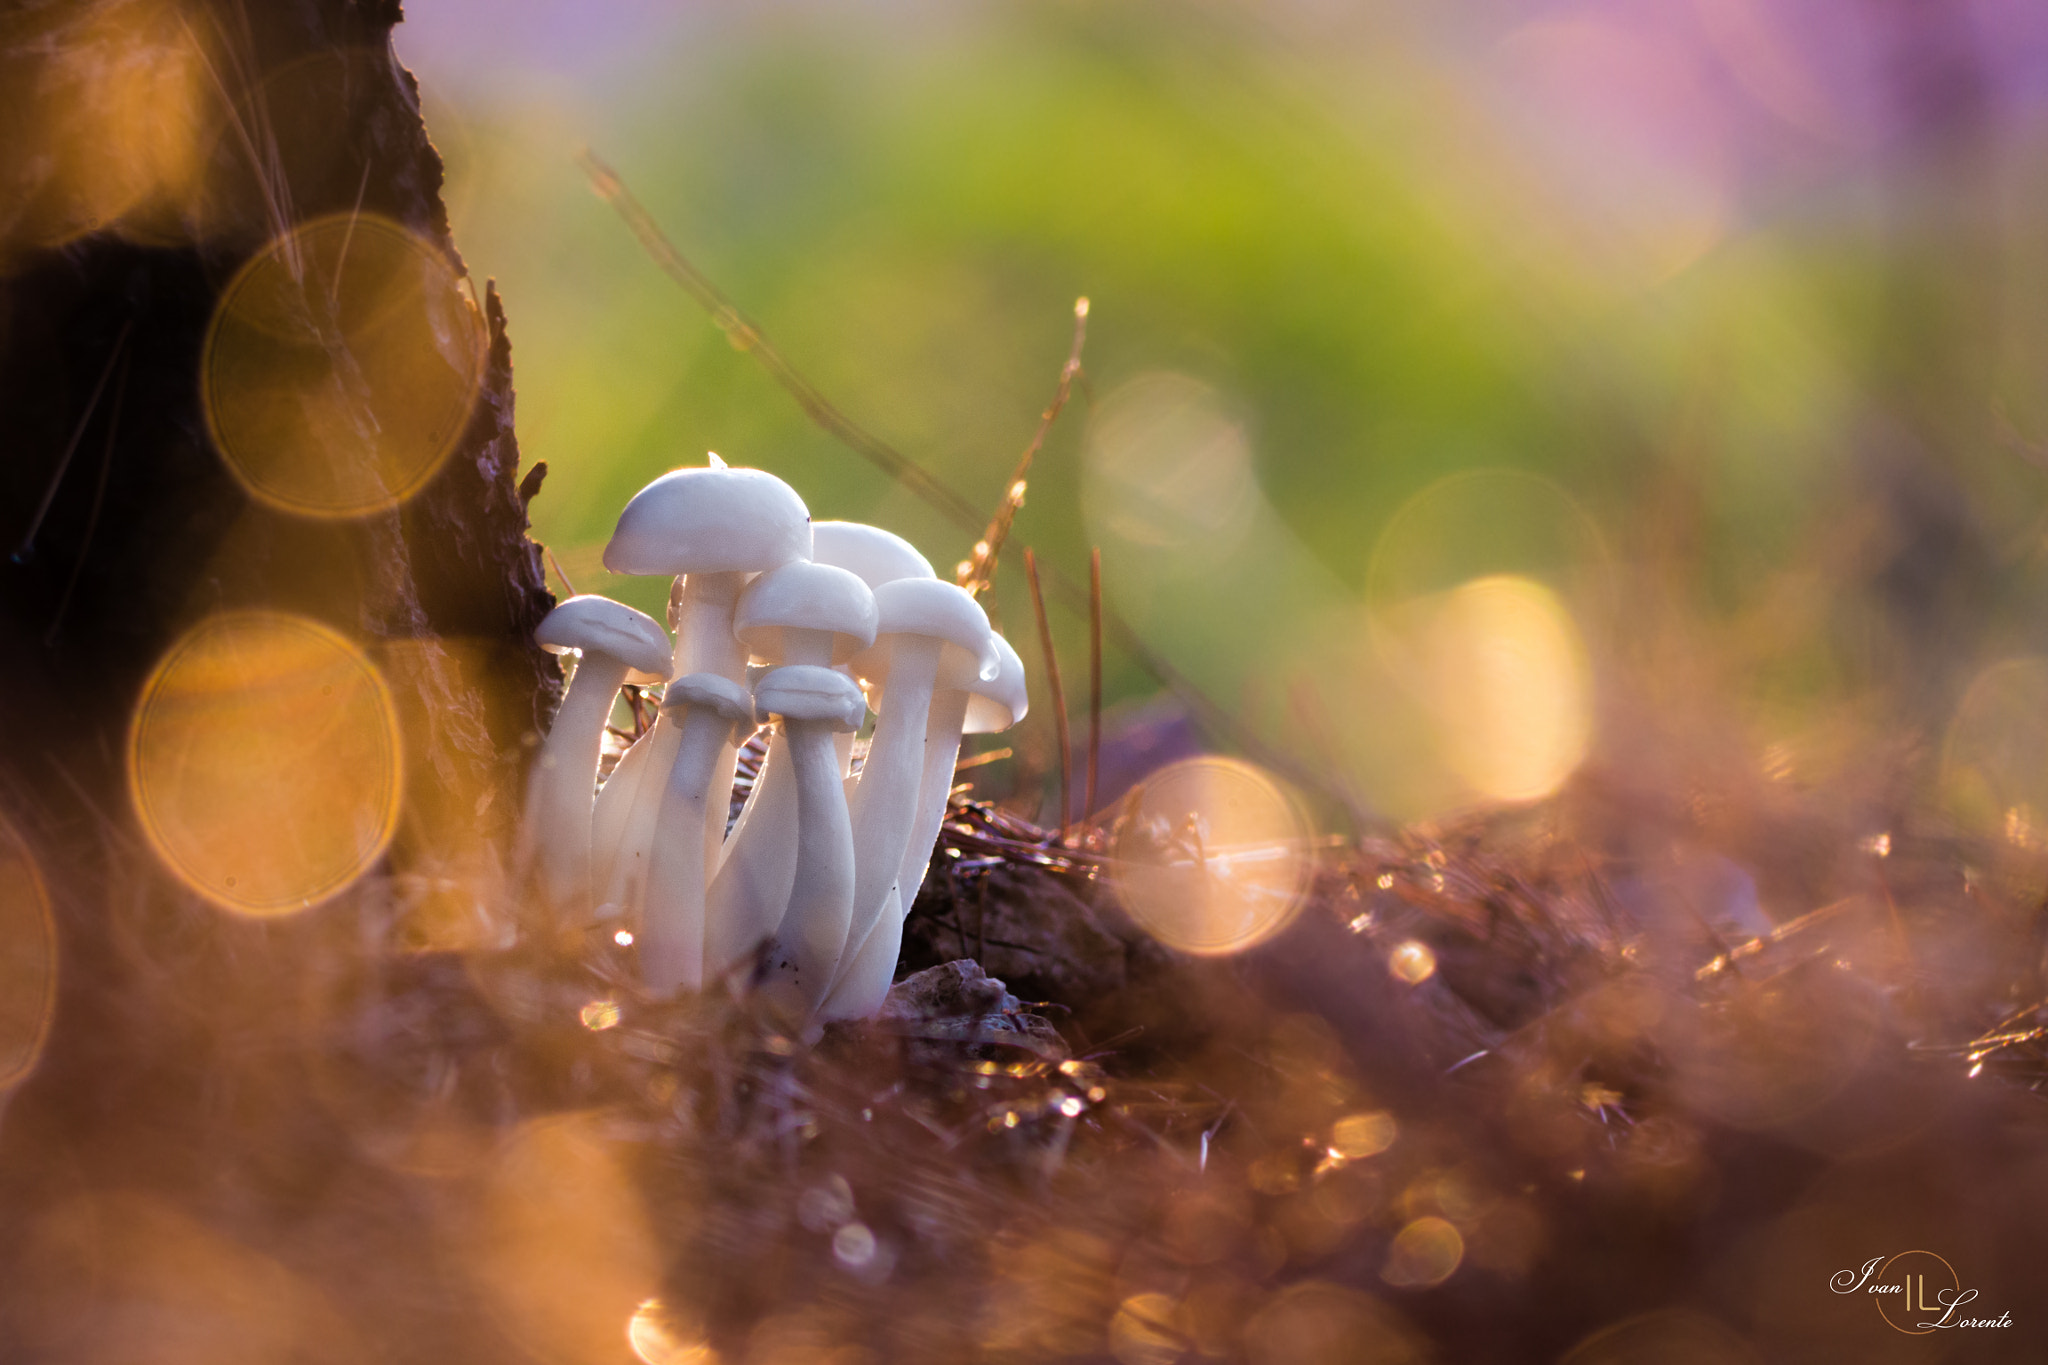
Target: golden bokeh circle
1509,686
1477,524
1425,1253
264,761
340,367
1478,595
1212,856
28,958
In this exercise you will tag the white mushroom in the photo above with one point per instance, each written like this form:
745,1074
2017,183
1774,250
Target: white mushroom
873,555
754,874
807,617
963,701
923,624
615,643
702,708
756,869
879,557
715,527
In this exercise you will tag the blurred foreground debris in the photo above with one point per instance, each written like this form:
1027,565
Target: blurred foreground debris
1507,1086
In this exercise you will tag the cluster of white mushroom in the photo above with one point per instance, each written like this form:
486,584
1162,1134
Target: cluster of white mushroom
777,621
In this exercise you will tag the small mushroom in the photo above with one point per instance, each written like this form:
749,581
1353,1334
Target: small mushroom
807,617
715,527
754,874
923,625
963,701
615,643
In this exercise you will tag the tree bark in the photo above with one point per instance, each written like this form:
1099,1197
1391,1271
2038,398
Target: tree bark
191,1052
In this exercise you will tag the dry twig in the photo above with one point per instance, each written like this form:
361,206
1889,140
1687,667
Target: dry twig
1052,679
1094,675
977,573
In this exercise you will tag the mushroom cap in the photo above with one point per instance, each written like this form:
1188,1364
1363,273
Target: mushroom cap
710,520
876,555
598,625
810,692
993,704
928,607
805,596
714,692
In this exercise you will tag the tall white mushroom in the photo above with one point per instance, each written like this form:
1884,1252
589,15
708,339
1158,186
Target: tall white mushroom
923,624
805,617
878,557
963,701
751,885
715,527
616,643
704,707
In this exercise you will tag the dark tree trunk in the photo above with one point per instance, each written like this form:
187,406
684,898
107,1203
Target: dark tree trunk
189,1058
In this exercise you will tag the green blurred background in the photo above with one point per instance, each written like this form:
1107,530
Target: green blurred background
1720,321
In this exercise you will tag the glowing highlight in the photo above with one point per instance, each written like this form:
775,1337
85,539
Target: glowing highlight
264,762
1212,856
340,368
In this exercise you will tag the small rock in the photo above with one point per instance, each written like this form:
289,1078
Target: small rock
947,990
956,1003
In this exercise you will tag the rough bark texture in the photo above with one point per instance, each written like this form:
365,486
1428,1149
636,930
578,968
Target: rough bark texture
186,1061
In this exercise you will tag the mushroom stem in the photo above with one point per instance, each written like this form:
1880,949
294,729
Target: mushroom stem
814,703
842,747
806,615
749,892
706,702
672,923
704,640
704,619
556,834
884,806
870,962
627,807
749,896
868,968
704,644
813,931
942,731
